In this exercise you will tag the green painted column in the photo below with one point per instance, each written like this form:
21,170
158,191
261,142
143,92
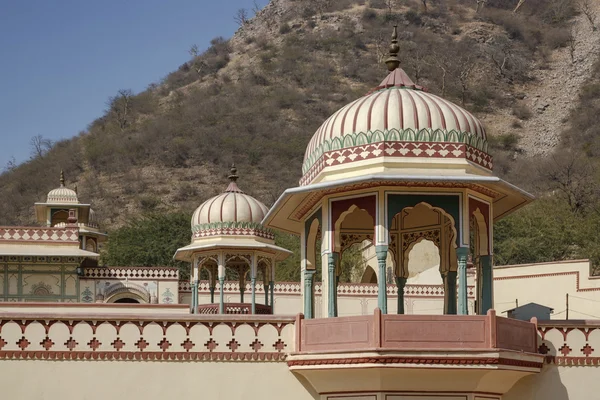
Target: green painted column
266,289
337,282
381,252
449,279
272,289
212,294
253,284
486,302
222,295
195,297
242,293
309,294
401,282
331,287
462,253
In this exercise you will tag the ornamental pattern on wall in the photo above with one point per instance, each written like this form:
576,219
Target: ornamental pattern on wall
107,338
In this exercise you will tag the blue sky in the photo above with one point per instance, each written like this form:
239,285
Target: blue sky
60,60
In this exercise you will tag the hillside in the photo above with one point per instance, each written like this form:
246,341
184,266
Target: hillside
257,98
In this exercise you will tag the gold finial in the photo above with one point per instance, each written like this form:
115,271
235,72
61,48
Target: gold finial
62,178
233,173
392,61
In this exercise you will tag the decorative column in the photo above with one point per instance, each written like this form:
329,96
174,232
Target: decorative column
272,285
195,276
486,280
309,294
400,283
272,288
266,288
253,283
332,293
242,276
382,251
462,254
221,284
449,279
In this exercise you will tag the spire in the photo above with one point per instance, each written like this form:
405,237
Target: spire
62,178
392,61
233,173
233,177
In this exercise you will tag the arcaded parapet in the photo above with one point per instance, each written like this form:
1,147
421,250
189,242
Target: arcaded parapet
143,337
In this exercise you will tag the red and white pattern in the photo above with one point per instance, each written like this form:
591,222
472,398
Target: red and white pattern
570,343
233,231
105,337
132,272
398,149
27,234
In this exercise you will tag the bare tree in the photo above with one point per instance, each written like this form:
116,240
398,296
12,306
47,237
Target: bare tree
390,4
241,17
120,108
255,7
381,43
198,65
39,146
466,66
321,6
519,4
11,164
585,7
424,3
571,42
480,5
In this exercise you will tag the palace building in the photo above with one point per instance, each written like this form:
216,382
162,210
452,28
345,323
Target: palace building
400,174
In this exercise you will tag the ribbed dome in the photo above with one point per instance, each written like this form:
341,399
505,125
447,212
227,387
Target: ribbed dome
231,206
62,194
398,104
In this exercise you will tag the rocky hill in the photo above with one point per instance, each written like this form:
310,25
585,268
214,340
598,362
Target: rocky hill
257,98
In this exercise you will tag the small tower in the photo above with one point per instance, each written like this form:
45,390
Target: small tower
227,235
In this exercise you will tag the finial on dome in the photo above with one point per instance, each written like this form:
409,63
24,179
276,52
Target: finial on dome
233,176
62,178
393,61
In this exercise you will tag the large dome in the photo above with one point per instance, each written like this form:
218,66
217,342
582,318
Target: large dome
398,119
232,206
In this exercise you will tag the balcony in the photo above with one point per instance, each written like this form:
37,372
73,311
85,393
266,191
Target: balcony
467,353
234,308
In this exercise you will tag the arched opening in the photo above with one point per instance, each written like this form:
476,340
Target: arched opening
127,300
59,216
369,276
424,237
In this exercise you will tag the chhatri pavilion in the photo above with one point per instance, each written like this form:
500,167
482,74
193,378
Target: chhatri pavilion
396,167
395,171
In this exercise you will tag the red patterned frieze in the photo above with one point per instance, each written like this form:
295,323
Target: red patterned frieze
45,235
201,338
132,273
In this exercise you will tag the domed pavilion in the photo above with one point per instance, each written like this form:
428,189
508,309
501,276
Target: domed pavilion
395,167
229,241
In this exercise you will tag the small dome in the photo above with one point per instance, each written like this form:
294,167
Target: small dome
231,206
62,194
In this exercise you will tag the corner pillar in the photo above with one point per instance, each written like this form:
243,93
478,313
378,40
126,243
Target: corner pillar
382,252
309,294
332,292
401,282
486,279
462,254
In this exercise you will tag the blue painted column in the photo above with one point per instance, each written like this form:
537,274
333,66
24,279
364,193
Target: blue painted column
486,302
462,254
331,287
222,295
309,294
401,282
381,252
253,284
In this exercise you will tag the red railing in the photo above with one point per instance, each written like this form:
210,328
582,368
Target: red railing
234,308
415,332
